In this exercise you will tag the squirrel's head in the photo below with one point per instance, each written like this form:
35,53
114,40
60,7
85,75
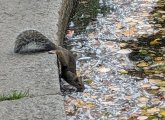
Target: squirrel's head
75,81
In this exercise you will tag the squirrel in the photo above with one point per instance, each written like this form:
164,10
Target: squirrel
32,41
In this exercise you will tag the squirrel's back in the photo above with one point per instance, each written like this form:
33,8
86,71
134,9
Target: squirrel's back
32,41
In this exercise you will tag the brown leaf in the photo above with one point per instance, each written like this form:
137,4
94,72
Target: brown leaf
153,110
130,32
143,99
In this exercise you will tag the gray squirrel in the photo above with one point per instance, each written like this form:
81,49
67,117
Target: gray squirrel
32,41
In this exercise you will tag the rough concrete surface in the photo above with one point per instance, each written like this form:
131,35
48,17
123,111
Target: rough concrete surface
36,73
47,107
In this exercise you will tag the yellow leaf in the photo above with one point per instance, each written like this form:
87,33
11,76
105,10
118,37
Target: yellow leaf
162,113
123,44
155,42
162,32
90,105
79,103
159,58
142,64
161,83
88,81
123,72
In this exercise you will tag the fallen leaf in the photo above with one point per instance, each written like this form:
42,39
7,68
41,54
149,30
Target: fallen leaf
132,31
143,99
162,113
79,103
154,81
89,81
161,83
158,58
142,64
89,105
162,89
123,72
71,110
142,118
143,52
124,51
155,42
123,44
154,87
146,86
103,69
153,110
108,98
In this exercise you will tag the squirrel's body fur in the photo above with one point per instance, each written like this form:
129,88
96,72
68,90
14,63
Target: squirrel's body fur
32,41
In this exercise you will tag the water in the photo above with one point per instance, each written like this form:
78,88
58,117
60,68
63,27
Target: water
110,94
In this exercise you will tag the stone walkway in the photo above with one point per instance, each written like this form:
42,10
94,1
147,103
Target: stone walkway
38,73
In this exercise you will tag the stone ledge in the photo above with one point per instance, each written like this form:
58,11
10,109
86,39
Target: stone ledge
48,107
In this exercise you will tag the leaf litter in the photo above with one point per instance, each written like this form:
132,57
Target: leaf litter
103,62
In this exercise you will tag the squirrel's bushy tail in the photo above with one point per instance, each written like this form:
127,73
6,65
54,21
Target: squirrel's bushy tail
32,41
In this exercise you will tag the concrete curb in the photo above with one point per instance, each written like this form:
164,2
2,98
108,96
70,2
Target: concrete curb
37,73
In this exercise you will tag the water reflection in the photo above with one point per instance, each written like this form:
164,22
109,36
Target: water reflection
102,60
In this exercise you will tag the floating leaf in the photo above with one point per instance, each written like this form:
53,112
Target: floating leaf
123,44
90,105
143,52
162,113
142,64
82,104
108,98
71,110
154,87
155,42
162,31
103,69
161,83
79,103
142,117
153,110
143,99
158,58
89,81
123,72
124,51
131,31
161,68
84,58
154,81
162,89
